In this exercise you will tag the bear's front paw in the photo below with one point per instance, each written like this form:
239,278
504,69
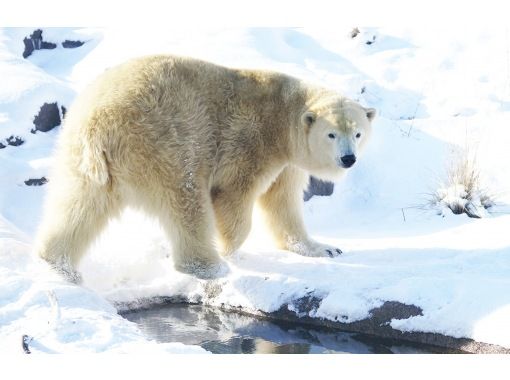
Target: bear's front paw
323,250
333,252
314,249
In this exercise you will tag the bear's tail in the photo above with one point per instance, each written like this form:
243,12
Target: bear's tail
94,163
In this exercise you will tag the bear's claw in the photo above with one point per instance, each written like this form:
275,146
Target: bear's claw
312,248
330,252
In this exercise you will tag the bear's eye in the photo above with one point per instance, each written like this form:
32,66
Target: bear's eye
331,136
358,135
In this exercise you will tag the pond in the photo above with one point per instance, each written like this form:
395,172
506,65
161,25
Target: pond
223,332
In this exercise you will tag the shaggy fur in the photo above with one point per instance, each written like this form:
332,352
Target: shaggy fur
195,144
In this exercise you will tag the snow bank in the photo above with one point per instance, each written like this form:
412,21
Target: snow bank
460,287
435,91
58,317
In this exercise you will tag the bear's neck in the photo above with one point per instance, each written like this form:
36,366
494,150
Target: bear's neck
277,100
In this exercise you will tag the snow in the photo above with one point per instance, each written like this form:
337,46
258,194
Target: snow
436,91
59,317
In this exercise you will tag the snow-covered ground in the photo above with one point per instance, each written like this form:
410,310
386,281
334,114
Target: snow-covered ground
437,91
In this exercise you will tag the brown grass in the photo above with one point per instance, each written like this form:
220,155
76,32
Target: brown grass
461,191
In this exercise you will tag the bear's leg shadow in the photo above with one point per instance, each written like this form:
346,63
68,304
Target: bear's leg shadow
282,207
76,212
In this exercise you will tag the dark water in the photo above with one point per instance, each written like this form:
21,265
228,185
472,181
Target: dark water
231,333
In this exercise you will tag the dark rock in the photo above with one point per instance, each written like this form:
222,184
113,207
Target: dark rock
29,47
25,341
307,304
318,187
354,32
394,310
2,145
378,324
149,303
68,44
15,140
47,118
301,307
35,42
48,45
36,181
370,42
64,111
36,36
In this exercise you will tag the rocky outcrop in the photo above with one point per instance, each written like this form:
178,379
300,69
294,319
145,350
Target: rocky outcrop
377,325
47,118
68,44
35,42
36,181
14,140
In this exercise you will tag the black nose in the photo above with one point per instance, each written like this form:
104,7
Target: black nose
348,160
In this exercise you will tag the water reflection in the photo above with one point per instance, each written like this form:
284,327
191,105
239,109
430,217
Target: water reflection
232,333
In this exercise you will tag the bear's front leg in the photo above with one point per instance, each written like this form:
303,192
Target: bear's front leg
282,206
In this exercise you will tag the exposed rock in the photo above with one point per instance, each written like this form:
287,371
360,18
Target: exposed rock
47,118
301,307
370,42
64,111
68,44
2,145
394,310
378,324
25,341
149,303
307,304
36,181
14,140
318,187
35,42
354,32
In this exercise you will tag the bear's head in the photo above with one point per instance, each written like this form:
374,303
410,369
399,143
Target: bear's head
336,131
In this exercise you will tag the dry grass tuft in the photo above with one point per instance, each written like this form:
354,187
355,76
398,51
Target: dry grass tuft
461,191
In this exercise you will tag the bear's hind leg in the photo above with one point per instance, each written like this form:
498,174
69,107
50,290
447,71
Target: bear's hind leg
76,211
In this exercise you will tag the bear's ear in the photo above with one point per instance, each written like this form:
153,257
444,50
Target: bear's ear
371,112
308,118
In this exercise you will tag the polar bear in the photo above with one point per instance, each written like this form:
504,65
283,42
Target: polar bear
196,145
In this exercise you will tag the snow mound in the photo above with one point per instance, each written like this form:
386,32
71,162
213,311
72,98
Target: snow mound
433,89
57,317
